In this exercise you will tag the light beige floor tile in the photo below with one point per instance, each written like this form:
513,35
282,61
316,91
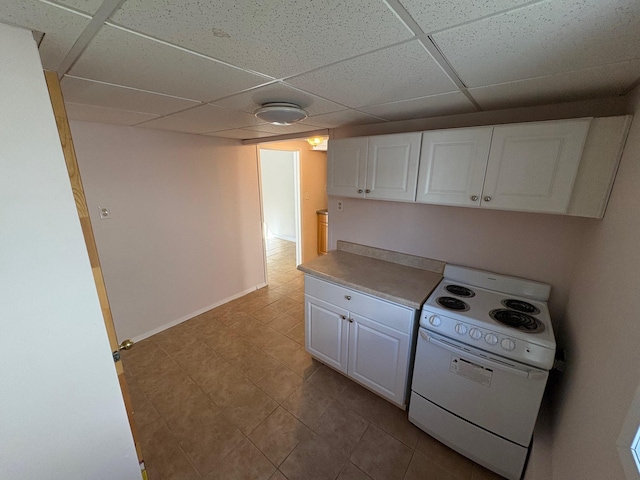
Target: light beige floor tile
381,456
341,428
422,469
302,363
143,411
283,323
297,333
278,476
163,457
266,314
249,409
329,381
278,435
283,304
280,383
307,403
395,421
169,391
204,433
313,459
245,462
296,312
351,472
481,473
450,460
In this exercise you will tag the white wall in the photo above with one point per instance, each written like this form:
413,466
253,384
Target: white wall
603,330
185,231
62,414
536,246
278,192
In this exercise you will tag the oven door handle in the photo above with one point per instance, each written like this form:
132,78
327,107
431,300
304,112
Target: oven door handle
486,361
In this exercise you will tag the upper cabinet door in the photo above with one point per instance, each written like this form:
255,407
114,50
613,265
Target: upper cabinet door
392,166
347,167
532,167
452,166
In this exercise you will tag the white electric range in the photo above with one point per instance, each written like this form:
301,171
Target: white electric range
484,349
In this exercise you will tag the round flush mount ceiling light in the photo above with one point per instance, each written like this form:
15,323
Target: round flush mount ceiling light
281,113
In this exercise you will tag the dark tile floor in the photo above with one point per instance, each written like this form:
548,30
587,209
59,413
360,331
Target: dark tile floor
232,394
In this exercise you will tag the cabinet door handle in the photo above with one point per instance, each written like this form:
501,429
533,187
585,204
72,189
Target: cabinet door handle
359,190
348,297
367,191
351,320
487,198
474,198
343,317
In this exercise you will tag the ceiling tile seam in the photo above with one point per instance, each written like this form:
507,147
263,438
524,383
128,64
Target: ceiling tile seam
192,52
376,50
404,16
408,100
549,75
106,9
489,15
66,8
157,115
132,88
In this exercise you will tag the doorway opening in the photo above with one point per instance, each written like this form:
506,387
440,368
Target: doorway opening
280,185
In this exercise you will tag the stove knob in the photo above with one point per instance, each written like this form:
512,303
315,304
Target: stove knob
508,344
461,329
475,334
435,320
491,339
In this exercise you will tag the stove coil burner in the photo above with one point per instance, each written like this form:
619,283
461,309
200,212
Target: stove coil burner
521,306
452,304
460,291
519,320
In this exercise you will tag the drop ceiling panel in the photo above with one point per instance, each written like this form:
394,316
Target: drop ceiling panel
283,129
79,90
176,124
343,118
240,134
279,92
589,83
123,58
435,105
397,73
543,39
433,16
280,38
219,118
89,113
60,26
87,6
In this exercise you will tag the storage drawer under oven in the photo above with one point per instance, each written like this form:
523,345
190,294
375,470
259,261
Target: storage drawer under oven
500,396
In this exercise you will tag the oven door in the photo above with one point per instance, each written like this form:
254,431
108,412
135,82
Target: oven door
498,395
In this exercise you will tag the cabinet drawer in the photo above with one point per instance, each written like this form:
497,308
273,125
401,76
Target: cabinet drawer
389,314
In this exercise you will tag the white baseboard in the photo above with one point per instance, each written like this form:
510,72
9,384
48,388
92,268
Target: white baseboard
196,313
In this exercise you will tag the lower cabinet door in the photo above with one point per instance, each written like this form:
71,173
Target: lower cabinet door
379,358
326,332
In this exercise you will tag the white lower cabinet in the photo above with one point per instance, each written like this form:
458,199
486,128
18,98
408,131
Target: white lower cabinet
366,338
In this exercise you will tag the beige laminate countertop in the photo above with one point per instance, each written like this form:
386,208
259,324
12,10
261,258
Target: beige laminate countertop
402,284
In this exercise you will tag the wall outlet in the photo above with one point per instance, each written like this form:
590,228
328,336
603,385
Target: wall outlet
105,213
339,206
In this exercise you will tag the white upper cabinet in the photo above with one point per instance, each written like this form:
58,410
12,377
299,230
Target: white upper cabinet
392,167
347,166
384,167
532,166
559,166
452,166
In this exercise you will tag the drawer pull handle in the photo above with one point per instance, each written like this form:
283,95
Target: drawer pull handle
348,297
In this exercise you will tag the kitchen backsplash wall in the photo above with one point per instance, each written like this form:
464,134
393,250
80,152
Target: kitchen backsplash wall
536,246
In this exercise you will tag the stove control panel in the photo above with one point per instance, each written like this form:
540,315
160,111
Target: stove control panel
486,339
